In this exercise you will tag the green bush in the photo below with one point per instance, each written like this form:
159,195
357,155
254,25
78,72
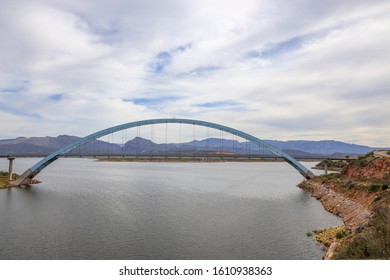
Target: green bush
373,241
341,234
350,184
374,188
309,234
331,176
363,161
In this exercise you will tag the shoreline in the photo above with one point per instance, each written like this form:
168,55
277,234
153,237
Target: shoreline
5,183
360,196
354,215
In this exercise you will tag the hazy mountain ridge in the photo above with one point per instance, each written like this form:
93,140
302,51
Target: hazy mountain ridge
303,148
326,147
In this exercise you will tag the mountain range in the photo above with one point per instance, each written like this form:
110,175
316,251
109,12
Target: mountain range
39,146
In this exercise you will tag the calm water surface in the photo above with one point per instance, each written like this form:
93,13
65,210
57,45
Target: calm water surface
99,210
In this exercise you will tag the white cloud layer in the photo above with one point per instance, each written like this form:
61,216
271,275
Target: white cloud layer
299,69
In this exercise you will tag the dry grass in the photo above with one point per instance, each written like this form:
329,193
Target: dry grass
4,178
327,235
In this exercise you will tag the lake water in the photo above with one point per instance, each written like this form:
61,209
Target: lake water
139,210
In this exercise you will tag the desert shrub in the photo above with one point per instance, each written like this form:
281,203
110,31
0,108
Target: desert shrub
341,234
372,242
363,161
374,188
331,176
350,184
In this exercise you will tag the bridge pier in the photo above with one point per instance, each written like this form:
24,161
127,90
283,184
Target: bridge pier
326,167
11,159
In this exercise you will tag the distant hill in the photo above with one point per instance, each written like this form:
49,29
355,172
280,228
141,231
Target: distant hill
325,147
298,148
38,146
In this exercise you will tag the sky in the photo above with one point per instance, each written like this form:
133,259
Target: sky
284,70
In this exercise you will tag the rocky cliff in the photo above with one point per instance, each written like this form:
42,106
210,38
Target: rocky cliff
378,168
360,196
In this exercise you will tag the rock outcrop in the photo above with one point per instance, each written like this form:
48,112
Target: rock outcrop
360,195
351,206
378,168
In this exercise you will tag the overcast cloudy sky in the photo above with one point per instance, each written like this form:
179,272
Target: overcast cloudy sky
281,69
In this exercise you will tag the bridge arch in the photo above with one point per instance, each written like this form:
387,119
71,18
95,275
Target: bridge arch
30,173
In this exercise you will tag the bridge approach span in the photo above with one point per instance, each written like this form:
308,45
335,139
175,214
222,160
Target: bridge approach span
30,173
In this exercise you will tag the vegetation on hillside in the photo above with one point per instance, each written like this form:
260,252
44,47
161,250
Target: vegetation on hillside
333,165
372,239
327,235
364,160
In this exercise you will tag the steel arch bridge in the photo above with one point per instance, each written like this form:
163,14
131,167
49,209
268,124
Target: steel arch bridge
29,174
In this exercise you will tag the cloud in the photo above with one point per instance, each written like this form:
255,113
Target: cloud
56,97
276,69
164,58
10,110
222,103
153,102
